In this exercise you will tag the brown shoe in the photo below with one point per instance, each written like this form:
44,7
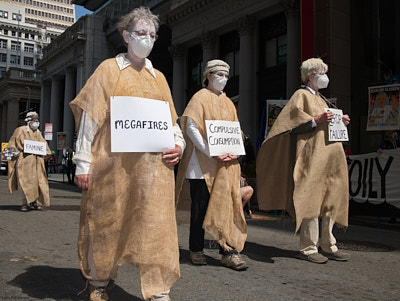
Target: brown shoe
338,255
233,261
98,293
314,258
198,258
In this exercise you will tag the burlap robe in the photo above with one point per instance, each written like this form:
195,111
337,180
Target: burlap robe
224,219
31,170
129,205
316,182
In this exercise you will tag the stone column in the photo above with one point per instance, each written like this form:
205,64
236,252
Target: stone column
12,117
293,80
45,99
79,77
178,86
69,94
208,45
55,109
247,101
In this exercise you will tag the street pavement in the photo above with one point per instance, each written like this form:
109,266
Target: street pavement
38,259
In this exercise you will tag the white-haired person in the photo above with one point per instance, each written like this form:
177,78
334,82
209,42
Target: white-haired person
128,205
301,171
26,171
216,205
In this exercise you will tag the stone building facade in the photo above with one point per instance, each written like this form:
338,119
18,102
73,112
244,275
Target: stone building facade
263,41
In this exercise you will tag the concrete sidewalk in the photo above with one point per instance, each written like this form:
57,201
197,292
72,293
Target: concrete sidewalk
39,260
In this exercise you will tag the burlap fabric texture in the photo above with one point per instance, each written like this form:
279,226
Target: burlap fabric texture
129,205
304,173
31,170
224,219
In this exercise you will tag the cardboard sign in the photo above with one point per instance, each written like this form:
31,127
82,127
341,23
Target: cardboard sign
35,147
224,137
140,125
337,130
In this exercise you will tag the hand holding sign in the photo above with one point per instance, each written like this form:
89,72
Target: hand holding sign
337,129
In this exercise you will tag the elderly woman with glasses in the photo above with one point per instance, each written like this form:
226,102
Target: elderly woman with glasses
301,171
214,181
128,208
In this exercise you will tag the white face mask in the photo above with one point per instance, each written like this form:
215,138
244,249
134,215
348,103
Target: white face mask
219,82
34,125
140,46
322,81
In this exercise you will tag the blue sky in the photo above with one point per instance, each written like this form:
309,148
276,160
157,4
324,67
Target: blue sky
81,11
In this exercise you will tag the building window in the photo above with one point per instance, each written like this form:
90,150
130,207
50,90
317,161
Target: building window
28,47
32,36
229,51
15,59
16,46
39,49
3,44
3,57
5,31
16,16
28,61
2,71
13,33
3,14
273,41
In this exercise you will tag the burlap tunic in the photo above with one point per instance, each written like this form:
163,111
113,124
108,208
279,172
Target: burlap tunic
314,181
224,219
31,171
129,205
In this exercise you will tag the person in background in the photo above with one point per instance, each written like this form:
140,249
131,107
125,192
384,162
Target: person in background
128,207
26,171
214,181
300,171
70,165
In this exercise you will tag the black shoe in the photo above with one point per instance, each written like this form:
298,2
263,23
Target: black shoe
24,208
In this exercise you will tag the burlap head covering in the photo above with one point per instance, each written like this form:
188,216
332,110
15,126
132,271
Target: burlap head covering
213,66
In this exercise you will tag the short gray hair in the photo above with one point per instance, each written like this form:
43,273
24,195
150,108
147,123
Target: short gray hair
128,21
312,67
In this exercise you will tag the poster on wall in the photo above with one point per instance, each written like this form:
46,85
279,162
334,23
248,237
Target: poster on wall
383,108
273,108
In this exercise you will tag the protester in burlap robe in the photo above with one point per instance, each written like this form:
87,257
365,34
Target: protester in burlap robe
128,207
214,181
26,172
301,171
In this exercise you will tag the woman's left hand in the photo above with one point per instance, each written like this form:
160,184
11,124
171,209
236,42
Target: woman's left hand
346,119
171,156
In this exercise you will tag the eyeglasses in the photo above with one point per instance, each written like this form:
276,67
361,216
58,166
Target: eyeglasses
143,33
220,74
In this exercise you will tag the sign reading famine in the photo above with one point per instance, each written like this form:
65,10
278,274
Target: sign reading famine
224,137
140,125
35,147
337,129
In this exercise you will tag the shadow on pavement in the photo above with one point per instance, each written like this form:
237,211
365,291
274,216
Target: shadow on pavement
40,282
63,186
263,253
10,207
